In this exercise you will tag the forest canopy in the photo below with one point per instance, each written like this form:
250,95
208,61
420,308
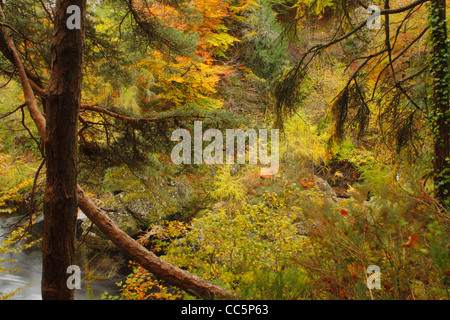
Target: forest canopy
359,96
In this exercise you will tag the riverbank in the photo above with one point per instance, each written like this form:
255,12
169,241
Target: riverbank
28,264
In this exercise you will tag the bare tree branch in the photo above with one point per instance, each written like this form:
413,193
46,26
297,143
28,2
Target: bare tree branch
30,100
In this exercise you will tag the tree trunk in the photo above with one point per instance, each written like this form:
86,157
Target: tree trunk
440,116
60,142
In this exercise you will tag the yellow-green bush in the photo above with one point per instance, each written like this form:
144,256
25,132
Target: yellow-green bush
252,251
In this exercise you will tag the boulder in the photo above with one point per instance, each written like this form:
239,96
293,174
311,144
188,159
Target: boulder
325,188
37,228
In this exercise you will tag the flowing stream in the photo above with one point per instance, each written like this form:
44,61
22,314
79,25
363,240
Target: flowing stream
29,263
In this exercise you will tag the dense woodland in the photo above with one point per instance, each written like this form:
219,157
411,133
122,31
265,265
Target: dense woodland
362,108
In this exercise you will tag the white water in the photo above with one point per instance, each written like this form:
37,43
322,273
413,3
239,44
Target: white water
29,276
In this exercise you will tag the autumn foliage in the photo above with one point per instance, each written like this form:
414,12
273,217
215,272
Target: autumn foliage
355,186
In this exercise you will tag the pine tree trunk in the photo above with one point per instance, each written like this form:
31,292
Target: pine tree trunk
62,107
441,117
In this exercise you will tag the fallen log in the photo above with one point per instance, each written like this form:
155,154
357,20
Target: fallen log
173,275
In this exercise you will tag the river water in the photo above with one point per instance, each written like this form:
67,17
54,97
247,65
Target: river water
29,263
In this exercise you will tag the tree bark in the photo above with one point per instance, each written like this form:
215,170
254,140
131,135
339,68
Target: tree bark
60,143
440,111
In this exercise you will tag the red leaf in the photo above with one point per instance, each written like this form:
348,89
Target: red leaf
344,212
412,240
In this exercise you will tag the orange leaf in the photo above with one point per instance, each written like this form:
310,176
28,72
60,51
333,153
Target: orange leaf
306,183
411,241
269,173
355,270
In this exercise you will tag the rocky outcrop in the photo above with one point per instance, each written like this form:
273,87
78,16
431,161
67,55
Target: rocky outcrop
325,188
